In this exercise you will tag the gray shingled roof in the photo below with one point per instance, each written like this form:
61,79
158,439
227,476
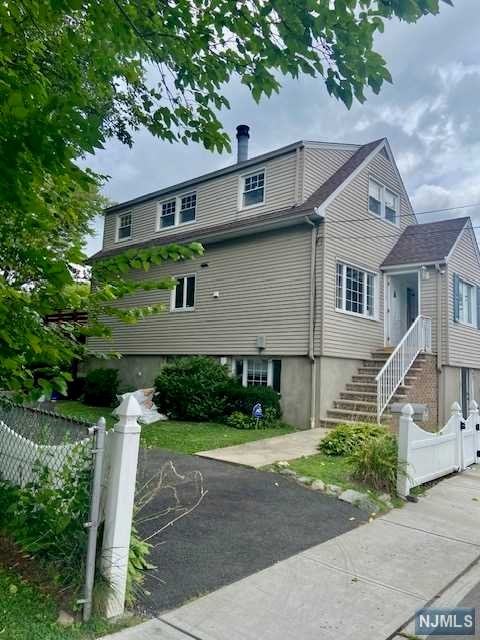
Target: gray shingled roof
430,242
317,198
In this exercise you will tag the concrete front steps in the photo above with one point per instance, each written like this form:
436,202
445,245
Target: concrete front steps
358,403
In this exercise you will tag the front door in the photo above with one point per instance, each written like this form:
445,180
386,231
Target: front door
401,305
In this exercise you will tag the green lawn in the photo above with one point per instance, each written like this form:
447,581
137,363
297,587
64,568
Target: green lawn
184,437
335,470
26,613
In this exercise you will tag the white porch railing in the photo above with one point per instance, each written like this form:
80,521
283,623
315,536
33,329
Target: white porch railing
417,339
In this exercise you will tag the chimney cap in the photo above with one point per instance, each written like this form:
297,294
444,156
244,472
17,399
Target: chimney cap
243,130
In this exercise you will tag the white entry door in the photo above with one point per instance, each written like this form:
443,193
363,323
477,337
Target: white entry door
395,312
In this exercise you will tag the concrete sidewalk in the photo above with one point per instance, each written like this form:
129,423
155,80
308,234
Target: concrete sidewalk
363,585
263,452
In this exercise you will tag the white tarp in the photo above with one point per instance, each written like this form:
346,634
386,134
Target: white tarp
144,397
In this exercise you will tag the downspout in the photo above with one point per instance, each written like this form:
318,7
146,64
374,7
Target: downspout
312,318
440,393
439,316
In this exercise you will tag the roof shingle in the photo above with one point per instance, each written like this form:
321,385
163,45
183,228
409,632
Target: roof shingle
430,242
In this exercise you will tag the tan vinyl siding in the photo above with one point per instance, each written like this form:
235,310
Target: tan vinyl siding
217,202
463,340
364,244
263,285
428,302
319,165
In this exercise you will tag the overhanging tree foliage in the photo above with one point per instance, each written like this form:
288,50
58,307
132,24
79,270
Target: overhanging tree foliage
74,73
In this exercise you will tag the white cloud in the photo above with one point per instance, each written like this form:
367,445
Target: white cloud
430,115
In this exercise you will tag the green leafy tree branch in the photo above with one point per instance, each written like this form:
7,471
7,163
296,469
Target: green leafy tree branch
75,73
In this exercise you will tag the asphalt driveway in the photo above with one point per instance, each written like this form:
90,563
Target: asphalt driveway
247,520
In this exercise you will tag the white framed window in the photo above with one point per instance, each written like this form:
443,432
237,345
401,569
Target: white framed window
254,372
183,296
467,310
124,226
168,213
355,290
383,202
252,192
177,211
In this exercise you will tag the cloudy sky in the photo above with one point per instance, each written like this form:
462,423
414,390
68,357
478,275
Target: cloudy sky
431,116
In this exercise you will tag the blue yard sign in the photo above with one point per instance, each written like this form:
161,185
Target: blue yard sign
257,411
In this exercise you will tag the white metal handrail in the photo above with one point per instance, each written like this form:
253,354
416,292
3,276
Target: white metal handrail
417,339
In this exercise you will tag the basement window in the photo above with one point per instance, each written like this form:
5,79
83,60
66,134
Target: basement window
257,372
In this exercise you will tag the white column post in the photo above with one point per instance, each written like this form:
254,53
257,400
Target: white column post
456,415
475,420
403,482
124,442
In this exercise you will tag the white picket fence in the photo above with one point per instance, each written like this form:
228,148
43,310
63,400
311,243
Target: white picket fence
425,456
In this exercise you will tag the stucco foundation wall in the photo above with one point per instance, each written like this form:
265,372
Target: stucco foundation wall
295,387
137,371
333,374
140,371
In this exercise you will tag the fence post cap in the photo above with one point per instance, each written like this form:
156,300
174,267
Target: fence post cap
128,407
455,408
473,406
101,422
408,410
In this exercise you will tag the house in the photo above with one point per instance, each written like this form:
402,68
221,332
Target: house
317,279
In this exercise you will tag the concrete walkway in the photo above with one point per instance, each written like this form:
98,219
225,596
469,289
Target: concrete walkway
263,452
363,585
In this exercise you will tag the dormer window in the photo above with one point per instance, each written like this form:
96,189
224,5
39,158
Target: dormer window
167,213
188,207
124,226
177,211
382,202
253,189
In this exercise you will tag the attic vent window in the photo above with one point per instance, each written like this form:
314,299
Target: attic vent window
253,189
382,202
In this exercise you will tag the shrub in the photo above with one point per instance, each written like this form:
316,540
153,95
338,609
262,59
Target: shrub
101,388
375,462
243,399
346,438
192,388
46,517
239,420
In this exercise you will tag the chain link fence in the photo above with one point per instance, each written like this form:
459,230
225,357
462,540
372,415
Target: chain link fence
32,441
47,467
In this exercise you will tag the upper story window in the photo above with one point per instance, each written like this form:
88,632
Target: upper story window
253,189
183,296
355,290
124,226
467,303
383,202
177,211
